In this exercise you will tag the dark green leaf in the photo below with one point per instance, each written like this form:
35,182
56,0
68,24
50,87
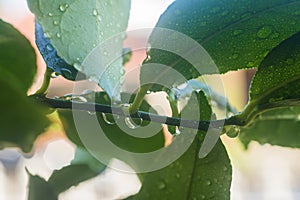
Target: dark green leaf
17,57
277,81
190,177
51,58
40,189
236,34
21,119
278,76
277,127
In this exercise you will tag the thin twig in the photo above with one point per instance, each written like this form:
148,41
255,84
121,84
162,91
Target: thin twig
117,110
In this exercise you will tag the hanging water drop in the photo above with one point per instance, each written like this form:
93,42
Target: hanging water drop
233,132
132,124
122,71
79,99
108,118
91,112
50,14
54,75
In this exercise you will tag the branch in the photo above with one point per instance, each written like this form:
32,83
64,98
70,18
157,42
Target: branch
117,110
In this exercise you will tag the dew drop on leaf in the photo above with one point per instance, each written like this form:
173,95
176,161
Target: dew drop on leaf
264,32
208,182
63,7
50,14
49,47
95,12
58,35
161,185
55,22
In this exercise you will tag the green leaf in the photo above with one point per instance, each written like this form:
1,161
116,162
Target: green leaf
75,28
190,177
51,58
40,189
21,120
236,34
277,81
119,134
17,57
62,180
277,127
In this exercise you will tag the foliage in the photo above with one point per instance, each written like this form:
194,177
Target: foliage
237,35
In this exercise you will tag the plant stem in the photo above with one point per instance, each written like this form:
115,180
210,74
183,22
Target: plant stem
139,99
117,110
47,77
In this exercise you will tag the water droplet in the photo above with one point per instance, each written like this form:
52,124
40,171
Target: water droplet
58,35
99,18
66,73
94,45
91,112
95,12
233,132
47,34
122,71
63,7
79,99
229,114
177,175
208,182
250,64
49,47
148,92
298,118
161,185
55,22
202,196
237,32
54,75
130,123
78,67
50,14
264,32
108,118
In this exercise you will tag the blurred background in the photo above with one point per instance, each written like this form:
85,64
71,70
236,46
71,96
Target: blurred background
262,172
